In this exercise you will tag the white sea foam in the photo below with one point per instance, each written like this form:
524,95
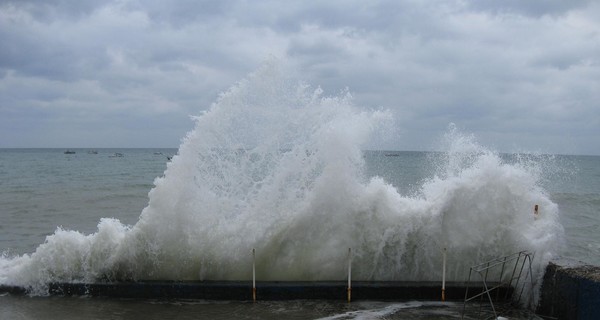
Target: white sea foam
277,166
379,310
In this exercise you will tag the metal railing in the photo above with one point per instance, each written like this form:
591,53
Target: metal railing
496,271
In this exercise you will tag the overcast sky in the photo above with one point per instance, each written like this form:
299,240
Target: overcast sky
519,75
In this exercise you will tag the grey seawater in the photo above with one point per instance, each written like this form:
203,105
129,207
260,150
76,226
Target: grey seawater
578,198
42,189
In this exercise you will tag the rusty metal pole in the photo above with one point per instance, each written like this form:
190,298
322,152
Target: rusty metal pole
253,275
349,274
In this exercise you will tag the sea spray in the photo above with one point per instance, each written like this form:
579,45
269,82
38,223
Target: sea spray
487,208
276,165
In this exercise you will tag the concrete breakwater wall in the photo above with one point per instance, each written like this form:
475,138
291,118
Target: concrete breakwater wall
274,290
570,290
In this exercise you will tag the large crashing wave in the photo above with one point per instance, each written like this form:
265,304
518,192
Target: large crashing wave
277,166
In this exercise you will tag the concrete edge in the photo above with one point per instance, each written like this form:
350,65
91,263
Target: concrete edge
570,290
274,290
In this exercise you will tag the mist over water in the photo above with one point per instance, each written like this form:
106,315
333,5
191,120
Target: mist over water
276,165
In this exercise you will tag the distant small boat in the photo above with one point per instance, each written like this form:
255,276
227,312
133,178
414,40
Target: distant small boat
116,155
93,152
158,153
392,155
69,152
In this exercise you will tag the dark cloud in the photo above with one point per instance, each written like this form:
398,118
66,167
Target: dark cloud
530,8
183,12
51,10
32,55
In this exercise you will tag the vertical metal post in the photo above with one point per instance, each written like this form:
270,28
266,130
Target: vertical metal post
253,275
500,279
467,293
444,275
349,274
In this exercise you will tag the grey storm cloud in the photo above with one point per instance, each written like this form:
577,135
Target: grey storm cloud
518,74
531,8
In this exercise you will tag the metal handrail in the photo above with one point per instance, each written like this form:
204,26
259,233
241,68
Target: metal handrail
483,270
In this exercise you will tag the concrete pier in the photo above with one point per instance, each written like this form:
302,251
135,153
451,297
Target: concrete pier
570,290
242,290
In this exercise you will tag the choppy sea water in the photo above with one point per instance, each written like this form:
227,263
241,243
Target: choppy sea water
277,167
43,189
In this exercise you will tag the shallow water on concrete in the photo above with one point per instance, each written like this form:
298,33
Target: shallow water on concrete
66,308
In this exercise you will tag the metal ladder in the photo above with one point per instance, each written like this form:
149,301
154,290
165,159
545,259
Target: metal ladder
519,260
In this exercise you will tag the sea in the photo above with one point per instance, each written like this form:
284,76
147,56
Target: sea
279,168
